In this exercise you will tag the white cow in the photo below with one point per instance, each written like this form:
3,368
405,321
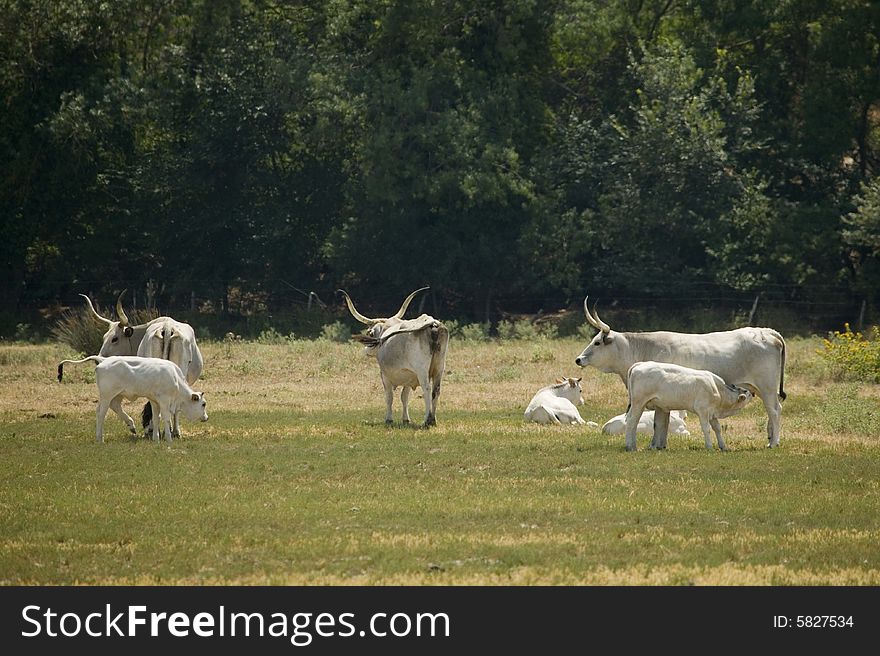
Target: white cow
411,353
557,404
664,386
175,341
132,377
753,358
617,425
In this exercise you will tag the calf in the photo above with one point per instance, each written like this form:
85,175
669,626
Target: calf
665,387
133,377
555,404
617,425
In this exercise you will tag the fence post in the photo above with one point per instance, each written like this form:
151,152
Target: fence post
754,309
861,323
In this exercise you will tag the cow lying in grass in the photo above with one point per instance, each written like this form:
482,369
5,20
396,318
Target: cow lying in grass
665,387
555,404
617,425
133,377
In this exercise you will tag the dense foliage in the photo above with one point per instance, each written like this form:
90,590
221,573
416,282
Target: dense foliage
489,148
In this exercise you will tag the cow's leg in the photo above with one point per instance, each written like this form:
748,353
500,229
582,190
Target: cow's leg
151,410
425,383
166,413
774,416
389,399
103,406
175,425
554,419
716,426
661,429
707,437
116,406
633,414
404,401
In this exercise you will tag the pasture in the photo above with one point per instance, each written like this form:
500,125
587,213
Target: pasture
296,480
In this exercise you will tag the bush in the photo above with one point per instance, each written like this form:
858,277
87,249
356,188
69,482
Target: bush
852,355
475,332
272,336
522,329
336,332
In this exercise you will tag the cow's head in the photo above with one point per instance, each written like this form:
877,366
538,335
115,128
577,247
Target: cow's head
195,408
379,325
735,398
570,388
119,338
601,352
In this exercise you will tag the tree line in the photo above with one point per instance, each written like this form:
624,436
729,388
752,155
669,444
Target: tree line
489,148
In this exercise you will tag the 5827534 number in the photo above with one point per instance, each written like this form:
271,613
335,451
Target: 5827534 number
823,621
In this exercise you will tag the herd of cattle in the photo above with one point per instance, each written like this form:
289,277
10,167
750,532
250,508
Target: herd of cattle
666,374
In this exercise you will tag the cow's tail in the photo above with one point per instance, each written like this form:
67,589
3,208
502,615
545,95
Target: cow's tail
782,394
94,358
168,333
439,341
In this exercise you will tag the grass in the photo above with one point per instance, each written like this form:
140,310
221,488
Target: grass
296,480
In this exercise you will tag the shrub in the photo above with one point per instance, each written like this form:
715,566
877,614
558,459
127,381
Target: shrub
475,332
522,329
336,332
272,336
852,355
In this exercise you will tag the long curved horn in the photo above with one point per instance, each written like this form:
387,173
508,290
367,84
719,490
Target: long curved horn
95,312
590,319
123,319
604,327
406,303
357,315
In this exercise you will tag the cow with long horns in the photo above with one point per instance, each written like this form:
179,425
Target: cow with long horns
411,353
753,358
162,337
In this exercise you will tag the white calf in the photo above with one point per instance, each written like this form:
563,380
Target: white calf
555,404
617,425
132,377
665,387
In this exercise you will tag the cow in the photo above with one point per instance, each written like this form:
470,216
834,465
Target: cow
665,386
411,353
122,338
557,404
175,341
753,358
617,425
132,377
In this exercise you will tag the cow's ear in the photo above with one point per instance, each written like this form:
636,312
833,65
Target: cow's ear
195,396
128,330
607,339
559,381
743,396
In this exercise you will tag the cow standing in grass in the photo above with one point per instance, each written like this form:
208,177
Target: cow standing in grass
753,358
162,337
133,377
411,353
661,386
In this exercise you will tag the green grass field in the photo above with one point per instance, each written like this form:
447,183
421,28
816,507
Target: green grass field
296,480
